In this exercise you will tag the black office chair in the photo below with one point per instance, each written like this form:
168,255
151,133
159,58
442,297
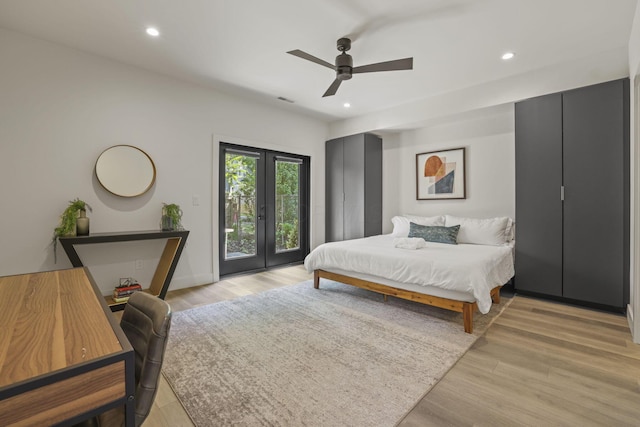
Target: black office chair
146,321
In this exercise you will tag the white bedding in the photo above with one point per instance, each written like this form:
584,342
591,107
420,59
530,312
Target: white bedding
471,269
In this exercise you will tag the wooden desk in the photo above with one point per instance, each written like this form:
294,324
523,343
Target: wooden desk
166,266
63,355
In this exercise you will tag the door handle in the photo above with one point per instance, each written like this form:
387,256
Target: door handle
261,215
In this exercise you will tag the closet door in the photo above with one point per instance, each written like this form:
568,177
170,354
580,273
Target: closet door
596,177
334,191
538,127
372,185
354,168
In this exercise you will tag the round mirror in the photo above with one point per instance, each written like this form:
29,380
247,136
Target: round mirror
125,171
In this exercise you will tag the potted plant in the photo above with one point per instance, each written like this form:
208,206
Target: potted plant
171,217
77,209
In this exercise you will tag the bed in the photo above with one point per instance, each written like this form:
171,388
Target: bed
464,275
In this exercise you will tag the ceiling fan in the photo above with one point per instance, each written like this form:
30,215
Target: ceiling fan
344,65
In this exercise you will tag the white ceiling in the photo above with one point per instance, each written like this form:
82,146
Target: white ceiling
240,46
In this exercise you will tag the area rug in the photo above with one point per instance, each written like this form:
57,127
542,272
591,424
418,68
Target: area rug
299,356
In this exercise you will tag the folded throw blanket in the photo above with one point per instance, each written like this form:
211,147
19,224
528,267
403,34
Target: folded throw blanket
409,242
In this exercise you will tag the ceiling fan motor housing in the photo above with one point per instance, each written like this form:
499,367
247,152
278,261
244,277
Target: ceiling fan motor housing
344,66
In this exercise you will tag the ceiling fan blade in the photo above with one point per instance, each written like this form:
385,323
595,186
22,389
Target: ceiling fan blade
333,88
305,55
398,64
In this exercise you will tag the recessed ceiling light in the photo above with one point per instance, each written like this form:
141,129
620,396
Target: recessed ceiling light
153,32
508,55
347,105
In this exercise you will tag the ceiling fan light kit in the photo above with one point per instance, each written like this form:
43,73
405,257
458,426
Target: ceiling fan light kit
344,64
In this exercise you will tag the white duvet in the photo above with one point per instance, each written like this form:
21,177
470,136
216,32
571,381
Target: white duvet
473,269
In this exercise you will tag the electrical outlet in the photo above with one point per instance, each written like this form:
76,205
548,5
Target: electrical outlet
139,264
195,200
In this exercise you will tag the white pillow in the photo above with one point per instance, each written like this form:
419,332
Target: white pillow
401,223
491,231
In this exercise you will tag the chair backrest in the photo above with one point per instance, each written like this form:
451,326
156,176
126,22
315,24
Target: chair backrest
146,321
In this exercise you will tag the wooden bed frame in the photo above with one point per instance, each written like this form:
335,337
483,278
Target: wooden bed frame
466,308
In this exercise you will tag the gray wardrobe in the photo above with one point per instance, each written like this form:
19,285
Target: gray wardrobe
353,187
572,195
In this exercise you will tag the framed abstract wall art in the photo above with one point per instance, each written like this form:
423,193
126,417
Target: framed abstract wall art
440,175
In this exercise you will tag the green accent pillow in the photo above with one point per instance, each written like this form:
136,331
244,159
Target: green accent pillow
437,234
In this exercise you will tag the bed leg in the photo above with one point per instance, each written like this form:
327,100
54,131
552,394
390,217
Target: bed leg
316,279
495,296
467,317
385,297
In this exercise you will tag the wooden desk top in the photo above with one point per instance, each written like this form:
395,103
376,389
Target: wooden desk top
50,321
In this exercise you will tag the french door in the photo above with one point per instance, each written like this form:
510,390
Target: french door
264,208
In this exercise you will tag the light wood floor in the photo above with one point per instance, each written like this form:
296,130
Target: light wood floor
540,363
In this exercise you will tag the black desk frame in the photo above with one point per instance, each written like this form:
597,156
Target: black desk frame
166,266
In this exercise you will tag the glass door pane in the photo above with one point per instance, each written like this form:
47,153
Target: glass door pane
241,209
287,205
287,213
240,205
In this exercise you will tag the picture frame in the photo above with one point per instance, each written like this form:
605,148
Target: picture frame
441,174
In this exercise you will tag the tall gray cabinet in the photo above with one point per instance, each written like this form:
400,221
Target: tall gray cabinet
572,195
353,181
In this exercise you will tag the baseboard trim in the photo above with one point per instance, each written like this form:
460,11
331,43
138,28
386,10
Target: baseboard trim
190,281
591,305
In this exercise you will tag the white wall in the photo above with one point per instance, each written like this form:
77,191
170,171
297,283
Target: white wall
489,139
60,108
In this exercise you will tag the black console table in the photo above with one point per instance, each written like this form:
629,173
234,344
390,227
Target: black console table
166,266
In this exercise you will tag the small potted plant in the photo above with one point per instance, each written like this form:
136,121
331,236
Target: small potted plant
73,221
171,217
